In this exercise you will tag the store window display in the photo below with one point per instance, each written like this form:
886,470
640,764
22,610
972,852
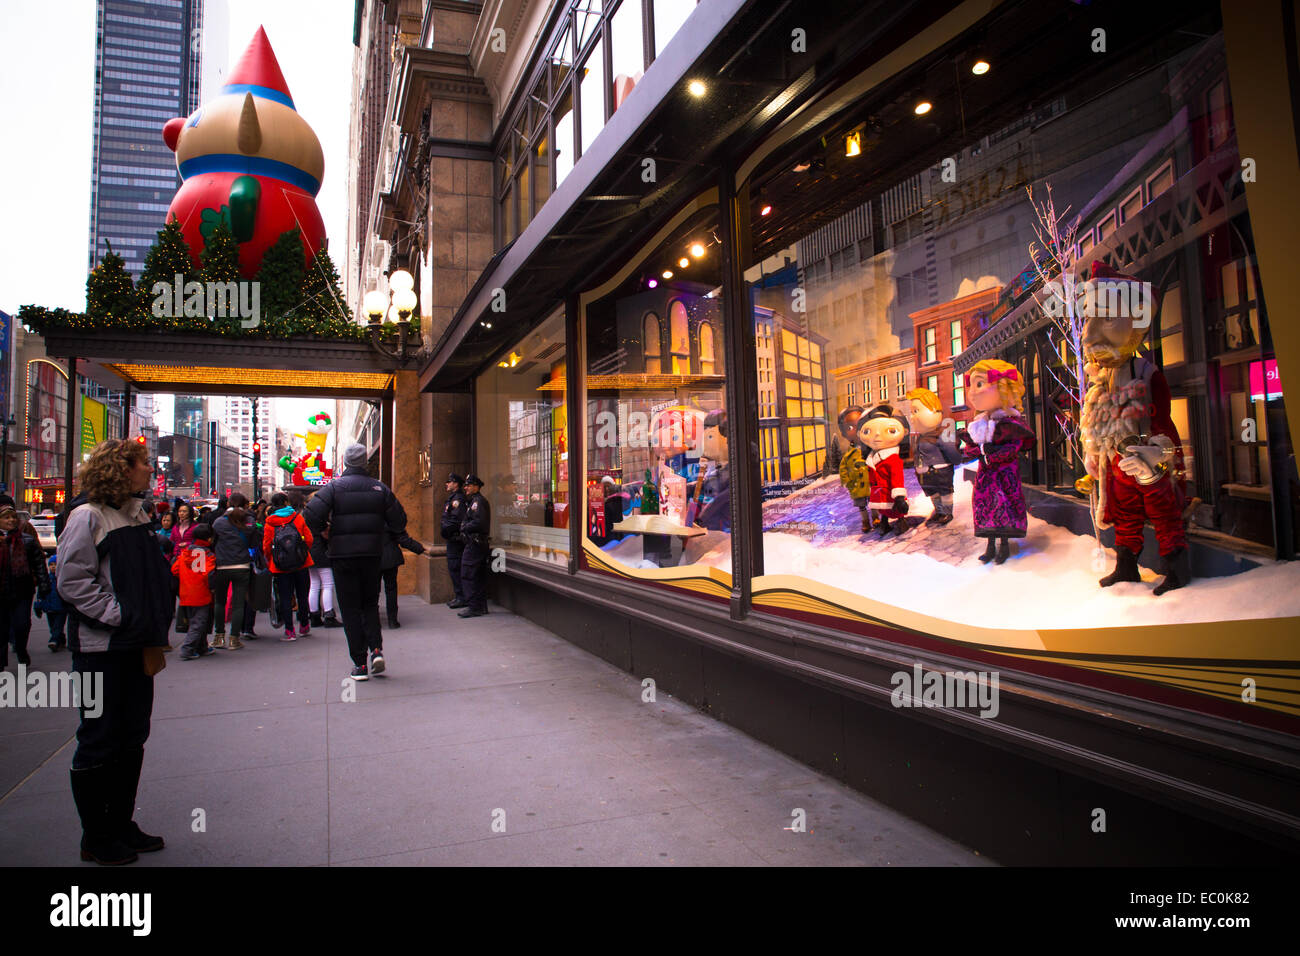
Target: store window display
656,411
1010,410
522,438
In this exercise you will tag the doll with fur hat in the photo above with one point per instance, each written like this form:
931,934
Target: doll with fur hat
883,432
996,438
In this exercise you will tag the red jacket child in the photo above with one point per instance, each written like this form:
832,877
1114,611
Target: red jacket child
193,565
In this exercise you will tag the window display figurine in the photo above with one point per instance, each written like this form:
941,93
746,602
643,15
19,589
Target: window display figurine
997,437
884,431
1130,445
715,515
934,455
853,469
844,443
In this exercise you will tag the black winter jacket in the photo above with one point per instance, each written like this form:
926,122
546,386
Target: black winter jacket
230,544
393,550
360,511
319,550
453,512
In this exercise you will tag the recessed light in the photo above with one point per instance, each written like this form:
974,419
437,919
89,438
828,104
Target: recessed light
668,273
697,250
653,283
980,67
923,107
765,211
683,262
696,88
802,167
853,145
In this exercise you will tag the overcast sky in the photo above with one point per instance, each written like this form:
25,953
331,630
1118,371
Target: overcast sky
47,87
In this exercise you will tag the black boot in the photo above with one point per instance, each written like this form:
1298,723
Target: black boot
93,791
122,807
1178,571
1126,568
332,621
316,619
458,602
392,620
990,551
1004,551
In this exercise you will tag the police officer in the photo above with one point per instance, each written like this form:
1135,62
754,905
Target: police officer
452,514
474,529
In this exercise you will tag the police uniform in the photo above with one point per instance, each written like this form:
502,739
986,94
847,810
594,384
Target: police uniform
474,530
453,512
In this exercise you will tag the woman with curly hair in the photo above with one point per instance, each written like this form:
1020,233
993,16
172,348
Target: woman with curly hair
114,579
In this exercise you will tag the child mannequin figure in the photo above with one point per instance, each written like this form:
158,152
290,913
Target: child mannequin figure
884,431
997,437
935,455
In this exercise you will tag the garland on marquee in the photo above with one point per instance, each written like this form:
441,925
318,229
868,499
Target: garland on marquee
295,302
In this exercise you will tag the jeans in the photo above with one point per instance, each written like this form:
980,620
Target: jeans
58,621
127,700
222,580
287,585
320,596
196,638
356,584
16,624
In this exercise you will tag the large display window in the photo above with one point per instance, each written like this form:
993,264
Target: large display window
522,445
658,465
1015,382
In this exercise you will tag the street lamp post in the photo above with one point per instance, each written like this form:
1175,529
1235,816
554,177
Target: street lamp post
403,301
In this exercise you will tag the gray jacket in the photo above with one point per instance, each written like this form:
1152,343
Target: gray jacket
115,579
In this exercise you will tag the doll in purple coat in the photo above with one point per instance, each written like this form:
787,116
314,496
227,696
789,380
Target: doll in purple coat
996,438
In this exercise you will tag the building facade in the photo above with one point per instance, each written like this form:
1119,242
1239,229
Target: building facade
654,226
147,70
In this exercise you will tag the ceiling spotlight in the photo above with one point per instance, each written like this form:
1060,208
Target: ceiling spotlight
802,167
853,145
653,283
696,88
683,262
923,107
765,211
668,273
980,67
697,250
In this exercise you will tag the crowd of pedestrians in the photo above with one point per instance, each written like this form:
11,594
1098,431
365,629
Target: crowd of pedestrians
128,573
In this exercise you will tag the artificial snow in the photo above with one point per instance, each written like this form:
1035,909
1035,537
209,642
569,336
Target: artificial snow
1049,582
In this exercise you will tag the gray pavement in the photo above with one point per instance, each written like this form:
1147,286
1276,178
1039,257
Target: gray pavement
255,759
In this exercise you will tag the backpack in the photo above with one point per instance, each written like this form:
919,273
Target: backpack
288,549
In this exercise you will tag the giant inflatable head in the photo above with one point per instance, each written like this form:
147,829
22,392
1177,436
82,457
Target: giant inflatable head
249,158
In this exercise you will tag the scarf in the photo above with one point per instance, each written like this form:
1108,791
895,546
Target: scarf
13,556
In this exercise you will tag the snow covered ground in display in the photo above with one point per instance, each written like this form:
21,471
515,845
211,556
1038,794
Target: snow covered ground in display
1049,582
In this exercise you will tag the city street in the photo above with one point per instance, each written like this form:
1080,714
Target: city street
473,717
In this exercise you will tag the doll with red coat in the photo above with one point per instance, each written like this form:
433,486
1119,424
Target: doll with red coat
884,431
997,437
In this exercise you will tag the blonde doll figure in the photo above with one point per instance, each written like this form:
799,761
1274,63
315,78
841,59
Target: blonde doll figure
996,438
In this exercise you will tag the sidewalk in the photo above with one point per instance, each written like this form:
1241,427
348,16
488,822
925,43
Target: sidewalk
474,718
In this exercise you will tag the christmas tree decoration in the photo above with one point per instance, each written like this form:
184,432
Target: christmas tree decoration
282,277
249,160
321,293
220,261
110,293
167,258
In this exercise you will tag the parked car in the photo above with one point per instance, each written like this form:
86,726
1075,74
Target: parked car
44,525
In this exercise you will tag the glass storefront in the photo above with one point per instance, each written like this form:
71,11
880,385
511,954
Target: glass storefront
658,461
522,431
1020,396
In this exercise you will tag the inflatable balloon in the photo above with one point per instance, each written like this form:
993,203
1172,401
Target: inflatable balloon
247,157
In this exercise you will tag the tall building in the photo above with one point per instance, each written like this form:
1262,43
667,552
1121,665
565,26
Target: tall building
237,413
147,70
